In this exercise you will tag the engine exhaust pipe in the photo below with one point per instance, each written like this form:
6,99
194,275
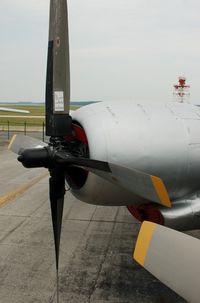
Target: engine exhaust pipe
184,214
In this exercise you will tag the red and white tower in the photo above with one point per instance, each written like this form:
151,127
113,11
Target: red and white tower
181,91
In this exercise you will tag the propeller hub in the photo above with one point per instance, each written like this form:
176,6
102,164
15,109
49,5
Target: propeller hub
37,157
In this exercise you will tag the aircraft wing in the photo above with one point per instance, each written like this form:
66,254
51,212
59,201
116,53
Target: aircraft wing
24,111
172,257
13,110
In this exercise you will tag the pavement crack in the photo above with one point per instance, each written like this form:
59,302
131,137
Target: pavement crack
104,221
11,231
93,288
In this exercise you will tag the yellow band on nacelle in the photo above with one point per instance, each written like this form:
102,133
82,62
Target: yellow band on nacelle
143,241
161,191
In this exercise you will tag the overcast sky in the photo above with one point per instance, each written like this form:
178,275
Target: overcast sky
120,49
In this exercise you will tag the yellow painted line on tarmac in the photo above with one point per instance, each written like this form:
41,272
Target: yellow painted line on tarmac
20,190
11,141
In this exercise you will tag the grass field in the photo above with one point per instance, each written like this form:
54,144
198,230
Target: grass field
34,111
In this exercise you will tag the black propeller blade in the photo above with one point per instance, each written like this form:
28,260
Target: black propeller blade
142,184
57,193
58,121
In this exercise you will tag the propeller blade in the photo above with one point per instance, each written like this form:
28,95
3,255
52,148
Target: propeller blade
58,121
57,193
142,184
19,143
172,257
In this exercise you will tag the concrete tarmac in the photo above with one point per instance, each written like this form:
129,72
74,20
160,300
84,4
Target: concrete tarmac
97,243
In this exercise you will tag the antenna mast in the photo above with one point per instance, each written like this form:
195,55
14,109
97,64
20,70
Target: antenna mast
181,91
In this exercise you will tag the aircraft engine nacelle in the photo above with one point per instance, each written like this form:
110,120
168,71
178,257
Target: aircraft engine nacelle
159,139
184,214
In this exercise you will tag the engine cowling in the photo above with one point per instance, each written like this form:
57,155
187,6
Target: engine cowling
159,139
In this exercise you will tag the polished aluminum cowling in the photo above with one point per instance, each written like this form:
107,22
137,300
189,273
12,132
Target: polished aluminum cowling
184,215
159,139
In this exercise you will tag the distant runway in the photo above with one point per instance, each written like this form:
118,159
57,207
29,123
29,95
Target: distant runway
96,263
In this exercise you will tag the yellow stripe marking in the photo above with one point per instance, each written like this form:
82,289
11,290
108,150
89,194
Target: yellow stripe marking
143,241
161,191
20,190
11,141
